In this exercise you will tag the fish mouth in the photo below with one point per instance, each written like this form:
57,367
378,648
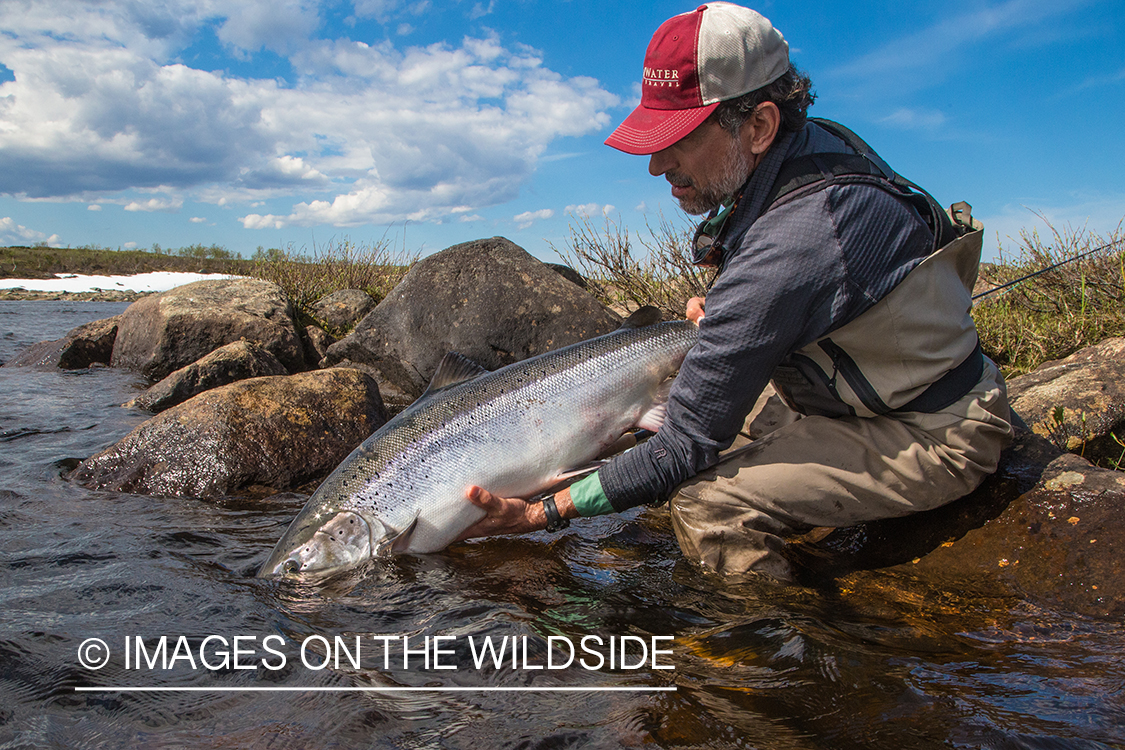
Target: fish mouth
343,541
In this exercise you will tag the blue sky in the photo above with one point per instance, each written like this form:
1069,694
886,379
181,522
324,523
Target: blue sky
125,123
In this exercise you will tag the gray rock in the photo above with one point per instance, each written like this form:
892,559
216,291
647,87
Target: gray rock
343,309
568,273
227,364
164,332
316,341
488,299
1087,389
280,432
86,345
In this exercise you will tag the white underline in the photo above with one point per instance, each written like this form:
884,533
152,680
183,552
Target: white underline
331,689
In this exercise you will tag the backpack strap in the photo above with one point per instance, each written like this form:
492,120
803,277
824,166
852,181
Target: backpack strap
815,172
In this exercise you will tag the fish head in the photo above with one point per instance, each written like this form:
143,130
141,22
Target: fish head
322,540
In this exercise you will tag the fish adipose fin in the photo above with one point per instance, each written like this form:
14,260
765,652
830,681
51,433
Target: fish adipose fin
643,317
454,368
395,541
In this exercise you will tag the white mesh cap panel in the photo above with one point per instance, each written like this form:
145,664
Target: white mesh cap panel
739,51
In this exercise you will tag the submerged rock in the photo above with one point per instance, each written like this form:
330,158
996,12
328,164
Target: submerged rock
227,364
280,432
489,300
164,332
1062,542
1046,528
88,344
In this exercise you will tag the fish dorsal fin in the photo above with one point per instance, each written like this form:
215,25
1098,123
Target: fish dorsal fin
644,316
454,368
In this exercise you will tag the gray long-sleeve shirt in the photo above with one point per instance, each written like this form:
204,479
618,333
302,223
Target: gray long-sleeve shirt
791,276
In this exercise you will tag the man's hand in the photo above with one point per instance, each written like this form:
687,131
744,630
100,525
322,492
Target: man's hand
512,515
695,309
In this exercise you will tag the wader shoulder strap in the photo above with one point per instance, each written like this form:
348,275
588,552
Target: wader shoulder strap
809,174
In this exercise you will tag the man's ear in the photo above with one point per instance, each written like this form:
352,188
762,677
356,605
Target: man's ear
759,132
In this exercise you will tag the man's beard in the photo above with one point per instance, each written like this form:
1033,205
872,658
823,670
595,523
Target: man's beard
722,189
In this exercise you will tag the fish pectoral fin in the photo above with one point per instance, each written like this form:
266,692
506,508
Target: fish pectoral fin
567,478
395,540
653,419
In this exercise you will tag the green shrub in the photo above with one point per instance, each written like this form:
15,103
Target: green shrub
658,271
375,269
1054,313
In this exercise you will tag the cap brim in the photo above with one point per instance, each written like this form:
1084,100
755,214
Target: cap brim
646,131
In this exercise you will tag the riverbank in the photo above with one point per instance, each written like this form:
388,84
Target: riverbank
96,295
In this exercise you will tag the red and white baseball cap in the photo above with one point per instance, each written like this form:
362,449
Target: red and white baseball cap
695,60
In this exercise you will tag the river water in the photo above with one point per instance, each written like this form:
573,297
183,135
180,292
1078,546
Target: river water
878,661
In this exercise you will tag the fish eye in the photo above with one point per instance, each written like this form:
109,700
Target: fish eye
291,567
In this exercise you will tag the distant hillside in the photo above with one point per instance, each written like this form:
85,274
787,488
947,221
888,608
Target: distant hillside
45,262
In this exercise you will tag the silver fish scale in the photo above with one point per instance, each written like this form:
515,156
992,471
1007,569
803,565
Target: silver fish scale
511,431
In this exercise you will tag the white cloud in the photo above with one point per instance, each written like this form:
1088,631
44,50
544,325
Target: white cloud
93,207
370,133
12,233
480,10
166,205
527,218
197,220
278,25
917,118
590,210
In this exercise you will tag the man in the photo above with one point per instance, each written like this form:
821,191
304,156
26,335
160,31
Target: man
831,284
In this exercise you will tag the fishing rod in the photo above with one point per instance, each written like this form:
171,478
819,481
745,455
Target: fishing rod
1045,270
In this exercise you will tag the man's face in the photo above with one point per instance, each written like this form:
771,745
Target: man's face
706,167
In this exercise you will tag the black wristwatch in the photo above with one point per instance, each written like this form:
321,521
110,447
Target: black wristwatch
555,522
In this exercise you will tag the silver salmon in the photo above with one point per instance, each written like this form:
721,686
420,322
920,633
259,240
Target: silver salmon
516,432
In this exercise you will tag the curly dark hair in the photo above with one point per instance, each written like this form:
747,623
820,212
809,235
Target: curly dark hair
792,93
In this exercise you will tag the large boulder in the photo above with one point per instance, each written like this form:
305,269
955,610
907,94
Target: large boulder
241,360
164,332
343,309
488,299
280,432
88,344
1078,402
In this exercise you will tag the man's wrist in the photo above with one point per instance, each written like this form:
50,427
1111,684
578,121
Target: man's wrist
555,521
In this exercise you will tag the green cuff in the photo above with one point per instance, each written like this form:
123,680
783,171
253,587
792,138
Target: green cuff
589,498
